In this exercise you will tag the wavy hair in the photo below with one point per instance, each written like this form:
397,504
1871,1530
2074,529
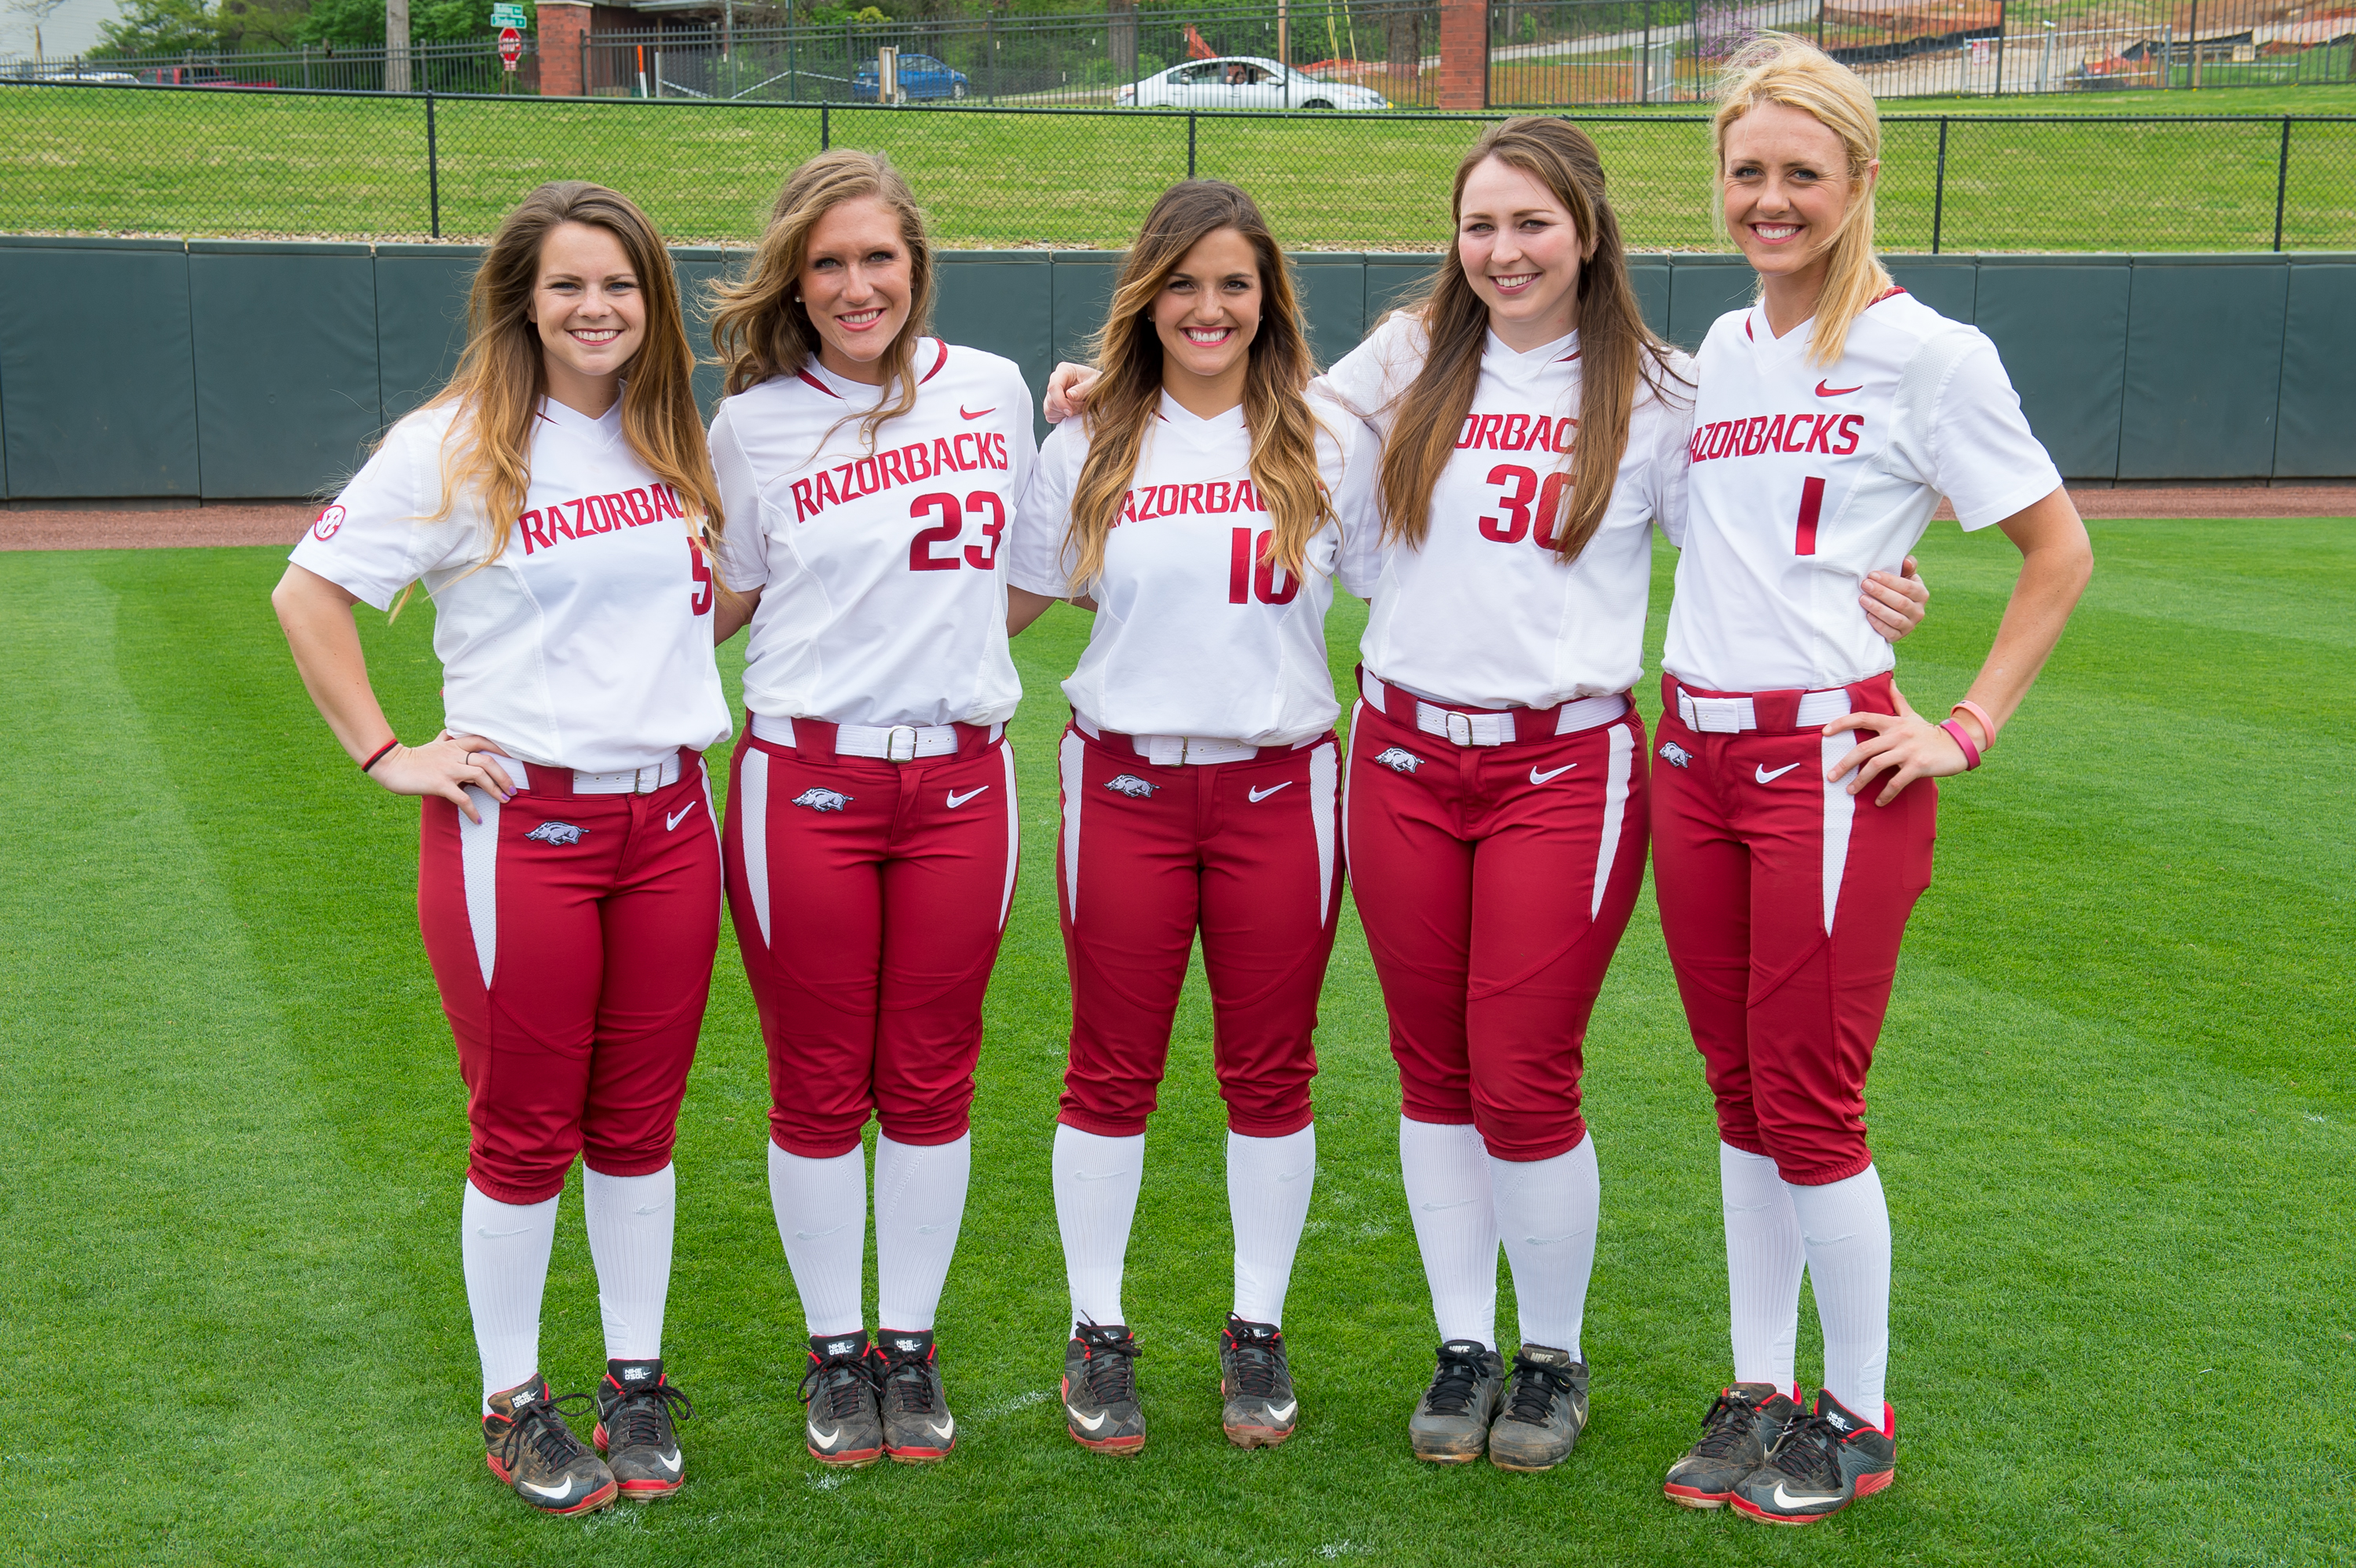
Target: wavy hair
761,330
1616,350
1122,406
1776,68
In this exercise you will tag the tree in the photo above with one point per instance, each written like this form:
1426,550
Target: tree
160,26
38,12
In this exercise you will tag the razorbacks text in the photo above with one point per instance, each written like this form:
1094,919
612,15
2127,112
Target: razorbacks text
1835,435
591,515
910,464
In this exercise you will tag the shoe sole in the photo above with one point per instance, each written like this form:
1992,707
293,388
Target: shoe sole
849,1460
1257,1436
1689,1497
1450,1457
1522,1468
917,1456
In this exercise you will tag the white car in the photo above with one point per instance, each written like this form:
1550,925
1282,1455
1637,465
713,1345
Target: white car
1243,81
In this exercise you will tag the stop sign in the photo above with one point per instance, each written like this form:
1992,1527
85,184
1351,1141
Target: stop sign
510,47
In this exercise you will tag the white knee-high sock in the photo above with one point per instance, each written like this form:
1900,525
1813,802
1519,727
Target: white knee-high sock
1445,1170
1546,1211
919,1204
630,1221
1096,1180
1763,1262
1846,1227
504,1248
821,1209
1269,1181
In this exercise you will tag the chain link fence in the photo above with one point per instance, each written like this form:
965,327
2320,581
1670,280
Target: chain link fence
79,158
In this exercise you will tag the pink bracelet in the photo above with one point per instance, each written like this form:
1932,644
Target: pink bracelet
1963,739
1987,725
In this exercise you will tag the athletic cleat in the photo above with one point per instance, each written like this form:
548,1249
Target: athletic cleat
1100,1408
1257,1383
528,1446
1543,1411
917,1426
841,1426
1824,1461
1451,1423
635,1407
1743,1424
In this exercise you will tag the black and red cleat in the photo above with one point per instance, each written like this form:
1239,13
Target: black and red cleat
1258,1408
1824,1461
636,1408
841,1424
528,1444
917,1426
1743,1425
1100,1406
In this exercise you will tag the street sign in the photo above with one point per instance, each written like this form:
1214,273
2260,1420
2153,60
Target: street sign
510,47
506,14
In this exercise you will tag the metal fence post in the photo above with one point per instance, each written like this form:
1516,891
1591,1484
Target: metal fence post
1939,192
825,131
434,168
2282,181
1190,145
2000,49
1644,81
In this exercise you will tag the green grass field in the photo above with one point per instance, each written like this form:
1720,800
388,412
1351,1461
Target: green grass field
91,160
2115,1111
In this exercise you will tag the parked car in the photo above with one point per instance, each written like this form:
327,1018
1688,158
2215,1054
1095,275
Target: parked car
27,71
921,77
1244,81
195,75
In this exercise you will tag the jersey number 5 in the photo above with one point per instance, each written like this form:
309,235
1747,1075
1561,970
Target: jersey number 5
944,506
699,572
1518,523
1250,575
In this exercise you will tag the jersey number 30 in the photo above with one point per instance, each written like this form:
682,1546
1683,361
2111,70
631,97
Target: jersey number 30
952,523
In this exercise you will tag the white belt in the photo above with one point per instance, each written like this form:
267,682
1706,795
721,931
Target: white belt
1497,727
1732,715
1187,751
628,780
890,742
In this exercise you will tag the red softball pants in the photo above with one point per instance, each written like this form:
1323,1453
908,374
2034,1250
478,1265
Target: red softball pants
868,897
1494,882
1244,851
571,937
1783,900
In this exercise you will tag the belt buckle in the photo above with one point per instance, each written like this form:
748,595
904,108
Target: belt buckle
900,743
1460,727
1185,745
639,784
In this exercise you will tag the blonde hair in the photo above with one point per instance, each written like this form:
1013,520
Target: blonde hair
762,331
1276,381
1616,351
1776,68
502,376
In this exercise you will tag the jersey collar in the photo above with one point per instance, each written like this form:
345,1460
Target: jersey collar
1211,429
931,355
604,431
1561,351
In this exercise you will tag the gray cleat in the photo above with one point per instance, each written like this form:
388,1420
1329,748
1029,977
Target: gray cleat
1545,1411
1744,1422
1451,1423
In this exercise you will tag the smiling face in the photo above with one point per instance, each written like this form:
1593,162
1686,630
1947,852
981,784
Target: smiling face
590,311
856,280
1207,316
1787,187
1521,253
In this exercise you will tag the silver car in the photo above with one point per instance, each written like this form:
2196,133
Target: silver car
1244,81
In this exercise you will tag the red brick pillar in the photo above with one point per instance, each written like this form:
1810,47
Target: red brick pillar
564,25
1463,54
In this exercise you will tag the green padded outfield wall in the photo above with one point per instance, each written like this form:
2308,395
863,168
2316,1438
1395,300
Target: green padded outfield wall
166,371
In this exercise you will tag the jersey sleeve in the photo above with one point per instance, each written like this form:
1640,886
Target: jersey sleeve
374,540
1035,561
744,542
1368,379
1023,446
1982,455
1356,498
1673,448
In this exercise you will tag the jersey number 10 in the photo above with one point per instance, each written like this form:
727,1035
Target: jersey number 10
1250,575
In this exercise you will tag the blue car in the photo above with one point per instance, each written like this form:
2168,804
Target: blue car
921,77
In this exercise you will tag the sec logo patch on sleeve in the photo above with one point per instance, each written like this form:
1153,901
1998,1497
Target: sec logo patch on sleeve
328,522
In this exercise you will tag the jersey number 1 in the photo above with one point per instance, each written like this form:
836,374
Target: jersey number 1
1812,501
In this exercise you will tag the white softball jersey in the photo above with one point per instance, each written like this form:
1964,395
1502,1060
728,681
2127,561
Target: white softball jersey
1804,479
587,643
880,568
1484,613
1196,634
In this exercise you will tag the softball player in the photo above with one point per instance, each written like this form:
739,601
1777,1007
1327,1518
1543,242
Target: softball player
1201,511
1793,811
872,822
557,502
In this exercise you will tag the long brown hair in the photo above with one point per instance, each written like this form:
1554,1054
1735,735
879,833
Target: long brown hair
502,376
762,330
1616,350
1121,407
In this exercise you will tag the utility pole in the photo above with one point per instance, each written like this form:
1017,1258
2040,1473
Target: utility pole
396,46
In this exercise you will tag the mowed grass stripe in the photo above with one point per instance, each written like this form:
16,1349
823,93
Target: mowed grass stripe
98,161
2106,1155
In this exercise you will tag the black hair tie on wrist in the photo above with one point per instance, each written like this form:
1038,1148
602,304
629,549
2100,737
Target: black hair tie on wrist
389,748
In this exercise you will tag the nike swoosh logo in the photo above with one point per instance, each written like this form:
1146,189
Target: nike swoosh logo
824,1439
956,800
1091,1423
818,1235
1436,1208
1766,777
964,413
1274,1413
552,1494
1537,777
1294,1175
1550,1240
1824,391
650,1207
668,1461
1806,1500
672,821
943,1432
930,1230
1097,1175
1260,795
490,1236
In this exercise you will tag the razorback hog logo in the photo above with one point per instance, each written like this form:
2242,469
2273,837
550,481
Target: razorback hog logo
587,516
1833,435
1399,761
822,799
1131,786
1677,756
558,833
911,464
